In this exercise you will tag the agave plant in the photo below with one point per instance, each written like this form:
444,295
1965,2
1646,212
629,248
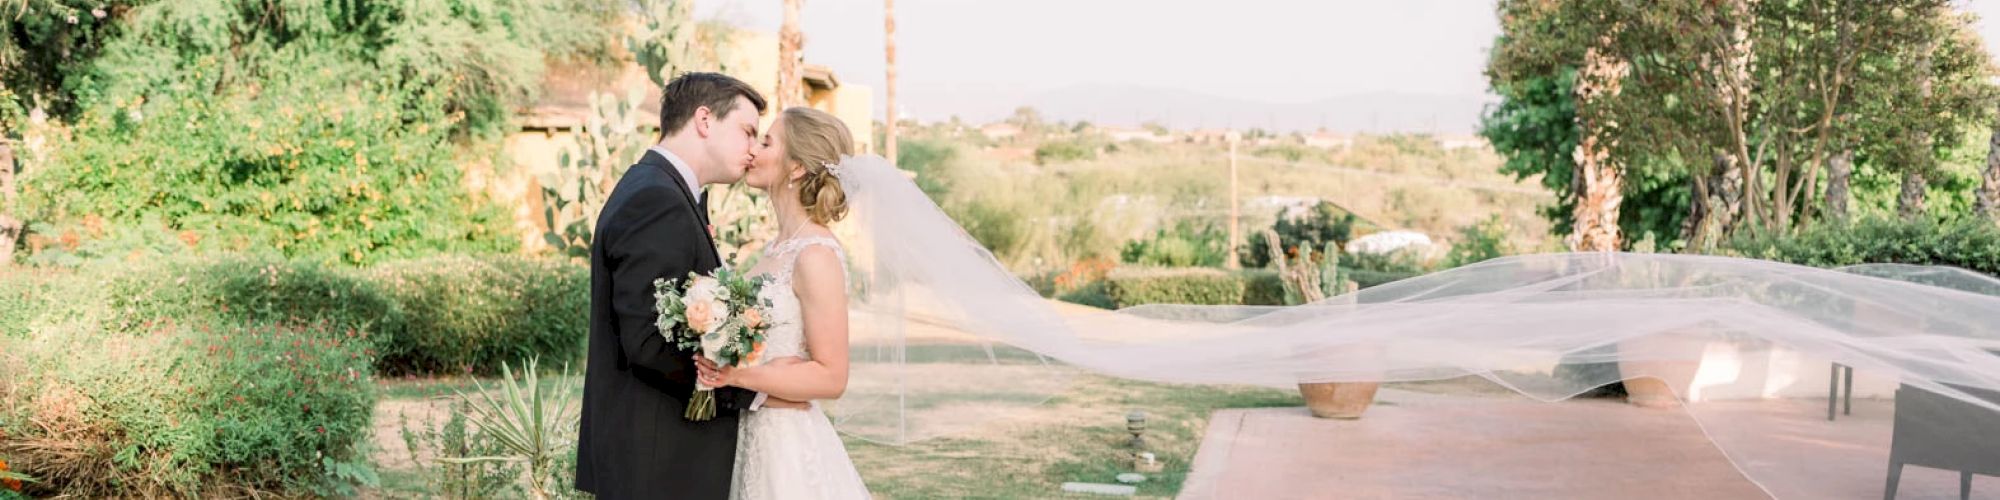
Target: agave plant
533,426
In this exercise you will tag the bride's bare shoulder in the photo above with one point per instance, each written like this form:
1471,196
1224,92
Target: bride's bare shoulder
817,231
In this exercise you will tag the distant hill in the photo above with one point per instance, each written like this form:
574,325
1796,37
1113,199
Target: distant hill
1379,112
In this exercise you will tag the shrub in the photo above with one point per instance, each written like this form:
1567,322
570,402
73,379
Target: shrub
189,409
1364,278
1095,294
27,293
1129,287
228,290
1083,283
1326,223
1262,287
1291,152
460,314
932,160
1970,243
263,290
444,314
1408,261
1478,242
311,166
1064,150
995,226
436,447
1189,244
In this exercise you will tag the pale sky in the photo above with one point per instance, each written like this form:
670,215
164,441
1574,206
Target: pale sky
955,55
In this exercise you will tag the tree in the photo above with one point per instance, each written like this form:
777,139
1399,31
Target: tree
1732,111
1601,176
889,83
1561,108
1027,118
791,59
1987,200
1910,203
326,128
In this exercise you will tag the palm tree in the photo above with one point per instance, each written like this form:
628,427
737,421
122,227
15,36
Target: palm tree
1601,179
791,59
1989,189
889,87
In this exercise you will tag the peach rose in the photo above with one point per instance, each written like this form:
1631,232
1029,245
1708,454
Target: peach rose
702,317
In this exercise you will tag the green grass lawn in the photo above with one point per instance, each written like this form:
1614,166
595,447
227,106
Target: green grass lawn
1077,436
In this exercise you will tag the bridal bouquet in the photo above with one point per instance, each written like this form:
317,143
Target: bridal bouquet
719,315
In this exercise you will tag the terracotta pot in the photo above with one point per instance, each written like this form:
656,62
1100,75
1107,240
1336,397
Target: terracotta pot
1660,384
1649,392
1341,400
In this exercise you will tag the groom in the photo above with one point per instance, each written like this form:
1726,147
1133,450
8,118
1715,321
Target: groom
634,441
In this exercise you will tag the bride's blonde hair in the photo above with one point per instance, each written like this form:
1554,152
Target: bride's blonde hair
814,140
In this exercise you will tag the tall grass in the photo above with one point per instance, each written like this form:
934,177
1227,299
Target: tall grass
1039,217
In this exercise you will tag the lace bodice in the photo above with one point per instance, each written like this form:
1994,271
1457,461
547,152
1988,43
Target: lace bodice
786,337
791,454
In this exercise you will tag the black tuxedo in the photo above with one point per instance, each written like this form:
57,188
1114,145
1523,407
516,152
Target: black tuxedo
634,441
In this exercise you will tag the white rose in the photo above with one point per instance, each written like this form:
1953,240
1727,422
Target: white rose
711,345
704,289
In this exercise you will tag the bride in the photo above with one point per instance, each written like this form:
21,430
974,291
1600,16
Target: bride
794,453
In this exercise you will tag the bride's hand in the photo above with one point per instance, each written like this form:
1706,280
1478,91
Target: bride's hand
714,376
727,376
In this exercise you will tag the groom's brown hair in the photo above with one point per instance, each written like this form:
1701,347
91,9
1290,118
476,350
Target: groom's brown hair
692,91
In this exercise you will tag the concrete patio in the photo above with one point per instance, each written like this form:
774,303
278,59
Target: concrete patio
1423,445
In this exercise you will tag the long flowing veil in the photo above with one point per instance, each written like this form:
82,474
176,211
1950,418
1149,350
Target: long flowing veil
945,336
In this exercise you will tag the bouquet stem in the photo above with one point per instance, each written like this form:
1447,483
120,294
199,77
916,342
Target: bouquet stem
701,405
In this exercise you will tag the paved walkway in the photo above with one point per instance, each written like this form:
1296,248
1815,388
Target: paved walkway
1421,446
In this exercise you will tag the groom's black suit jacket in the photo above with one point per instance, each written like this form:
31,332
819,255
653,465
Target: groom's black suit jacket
634,441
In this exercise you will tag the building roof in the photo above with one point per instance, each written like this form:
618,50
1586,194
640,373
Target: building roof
564,100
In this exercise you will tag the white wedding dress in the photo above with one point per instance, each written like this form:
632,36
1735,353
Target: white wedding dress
787,454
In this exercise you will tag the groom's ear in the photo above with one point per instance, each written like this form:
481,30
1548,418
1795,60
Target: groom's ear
701,120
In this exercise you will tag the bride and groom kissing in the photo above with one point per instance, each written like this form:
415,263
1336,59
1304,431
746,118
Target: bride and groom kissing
768,439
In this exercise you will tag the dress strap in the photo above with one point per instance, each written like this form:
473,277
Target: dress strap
789,250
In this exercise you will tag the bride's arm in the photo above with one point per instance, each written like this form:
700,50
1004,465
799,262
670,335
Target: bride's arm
820,281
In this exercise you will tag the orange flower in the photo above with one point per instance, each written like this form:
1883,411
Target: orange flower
756,351
12,484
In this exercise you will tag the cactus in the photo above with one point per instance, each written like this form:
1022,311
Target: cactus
664,42
1310,277
606,144
667,43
